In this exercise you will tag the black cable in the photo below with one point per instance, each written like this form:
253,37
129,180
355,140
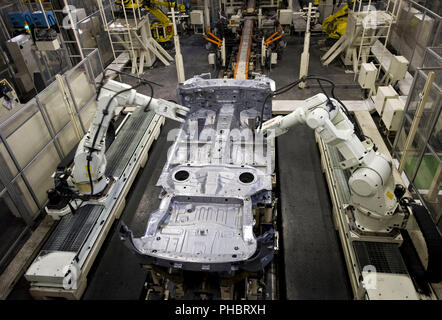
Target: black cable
145,81
358,131
330,104
146,108
322,88
132,76
350,116
106,110
369,138
100,86
275,93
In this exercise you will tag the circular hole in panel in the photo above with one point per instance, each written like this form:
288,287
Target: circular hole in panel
182,175
246,177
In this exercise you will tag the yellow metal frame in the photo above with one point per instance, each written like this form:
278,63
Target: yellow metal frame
163,23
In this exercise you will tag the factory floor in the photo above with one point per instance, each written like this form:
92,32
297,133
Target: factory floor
313,266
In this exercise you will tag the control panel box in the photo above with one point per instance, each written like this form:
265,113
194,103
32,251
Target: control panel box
393,112
274,58
196,17
48,45
367,75
20,49
384,93
398,68
211,58
285,16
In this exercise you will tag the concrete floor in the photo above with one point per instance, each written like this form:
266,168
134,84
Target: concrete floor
313,263
313,260
116,274
287,70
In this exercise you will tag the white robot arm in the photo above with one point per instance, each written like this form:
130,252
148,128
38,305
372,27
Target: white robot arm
371,182
90,160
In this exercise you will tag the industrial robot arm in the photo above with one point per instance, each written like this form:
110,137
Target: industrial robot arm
90,160
371,182
162,30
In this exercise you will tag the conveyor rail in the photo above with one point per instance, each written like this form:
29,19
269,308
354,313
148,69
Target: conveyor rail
72,230
242,61
251,6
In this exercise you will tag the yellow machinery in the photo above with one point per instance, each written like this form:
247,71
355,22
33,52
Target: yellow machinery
8,97
334,26
162,30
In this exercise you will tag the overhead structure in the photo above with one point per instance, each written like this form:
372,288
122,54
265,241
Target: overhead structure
163,28
130,33
365,25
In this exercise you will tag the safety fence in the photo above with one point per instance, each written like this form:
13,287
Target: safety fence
416,29
418,146
34,138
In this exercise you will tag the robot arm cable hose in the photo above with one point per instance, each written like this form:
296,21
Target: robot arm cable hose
103,78
272,94
331,105
146,108
105,112
135,77
349,115
285,89
143,80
